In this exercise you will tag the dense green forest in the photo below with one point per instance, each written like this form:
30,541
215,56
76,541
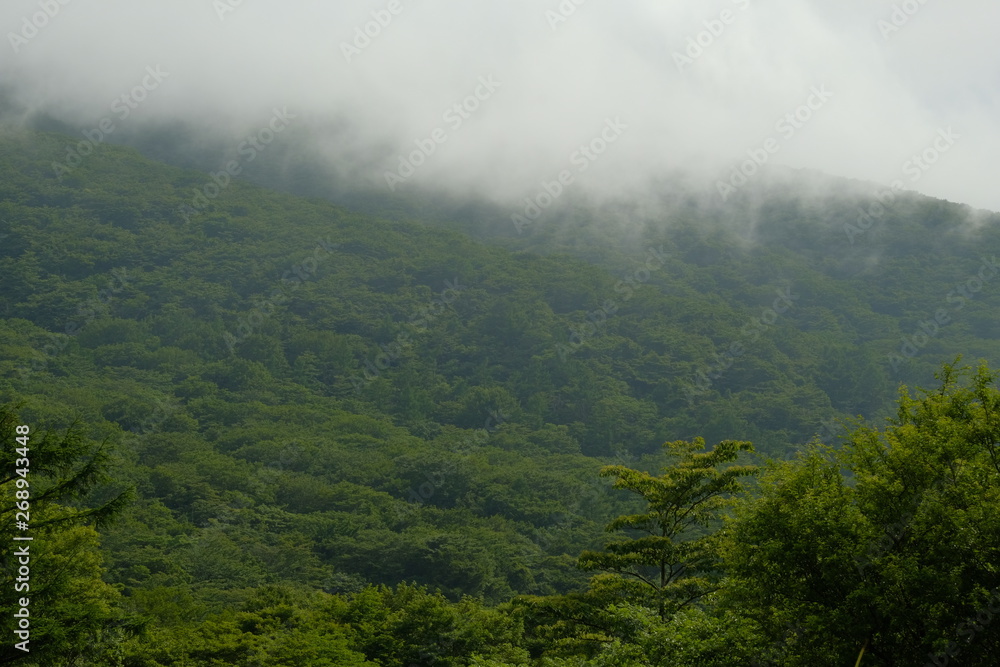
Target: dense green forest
269,430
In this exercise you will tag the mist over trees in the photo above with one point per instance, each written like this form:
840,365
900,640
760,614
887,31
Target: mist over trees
271,430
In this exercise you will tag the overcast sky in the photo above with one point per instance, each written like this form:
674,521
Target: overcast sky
557,79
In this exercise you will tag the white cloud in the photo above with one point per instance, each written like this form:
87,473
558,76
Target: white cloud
940,69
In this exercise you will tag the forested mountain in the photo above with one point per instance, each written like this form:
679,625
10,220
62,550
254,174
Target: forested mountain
366,438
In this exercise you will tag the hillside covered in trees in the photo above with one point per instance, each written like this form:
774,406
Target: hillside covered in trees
274,431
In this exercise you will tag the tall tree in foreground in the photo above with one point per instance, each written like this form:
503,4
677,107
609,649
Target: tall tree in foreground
70,611
888,548
666,558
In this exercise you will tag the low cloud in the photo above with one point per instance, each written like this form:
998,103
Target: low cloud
699,84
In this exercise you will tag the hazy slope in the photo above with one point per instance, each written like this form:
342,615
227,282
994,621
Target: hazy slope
402,402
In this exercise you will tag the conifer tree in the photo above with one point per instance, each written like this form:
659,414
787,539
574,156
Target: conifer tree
670,560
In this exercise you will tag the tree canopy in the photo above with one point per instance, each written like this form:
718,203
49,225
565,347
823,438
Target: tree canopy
350,435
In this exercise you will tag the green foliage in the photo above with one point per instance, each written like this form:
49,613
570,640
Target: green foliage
668,564
889,543
312,415
667,561
46,484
